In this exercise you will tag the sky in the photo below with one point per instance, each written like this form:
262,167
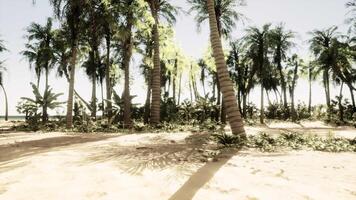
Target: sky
301,16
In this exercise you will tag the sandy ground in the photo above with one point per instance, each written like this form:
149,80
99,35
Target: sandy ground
169,166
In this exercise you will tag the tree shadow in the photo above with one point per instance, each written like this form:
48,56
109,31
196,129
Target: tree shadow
18,150
158,156
202,176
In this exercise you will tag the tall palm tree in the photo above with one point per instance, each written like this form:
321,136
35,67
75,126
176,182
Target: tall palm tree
72,12
241,71
42,37
292,77
281,43
320,45
258,43
32,55
2,69
3,89
225,13
232,110
131,12
159,8
226,18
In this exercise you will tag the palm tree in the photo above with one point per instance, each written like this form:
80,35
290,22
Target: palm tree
310,72
2,69
281,43
131,12
225,13
72,12
292,77
241,68
320,45
226,18
164,9
258,43
226,86
42,37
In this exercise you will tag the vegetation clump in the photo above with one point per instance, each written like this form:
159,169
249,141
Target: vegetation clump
288,141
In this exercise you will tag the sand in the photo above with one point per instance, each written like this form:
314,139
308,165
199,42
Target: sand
168,166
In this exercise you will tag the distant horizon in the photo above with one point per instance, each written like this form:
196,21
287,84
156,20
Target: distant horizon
299,16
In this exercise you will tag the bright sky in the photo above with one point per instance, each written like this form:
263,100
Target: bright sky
300,16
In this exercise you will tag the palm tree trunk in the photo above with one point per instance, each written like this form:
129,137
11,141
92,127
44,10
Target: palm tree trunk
71,87
244,105
341,108
102,98
294,114
148,100
283,86
179,88
156,75
262,107
352,97
108,80
327,93
6,103
232,110
310,91
44,107
93,96
126,63
191,91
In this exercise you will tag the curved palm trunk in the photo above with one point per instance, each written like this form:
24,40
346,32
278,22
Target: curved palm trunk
6,103
352,97
156,75
69,118
226,86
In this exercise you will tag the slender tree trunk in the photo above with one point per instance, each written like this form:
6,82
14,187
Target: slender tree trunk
126,62
341,108
262,107
93,96
191,91
44,107
179,88
352,97
310,91
174,80
108,80
102,99
294,114
6,103
244,105
156,75
232,110
148,100
284,88
71,87
327,93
